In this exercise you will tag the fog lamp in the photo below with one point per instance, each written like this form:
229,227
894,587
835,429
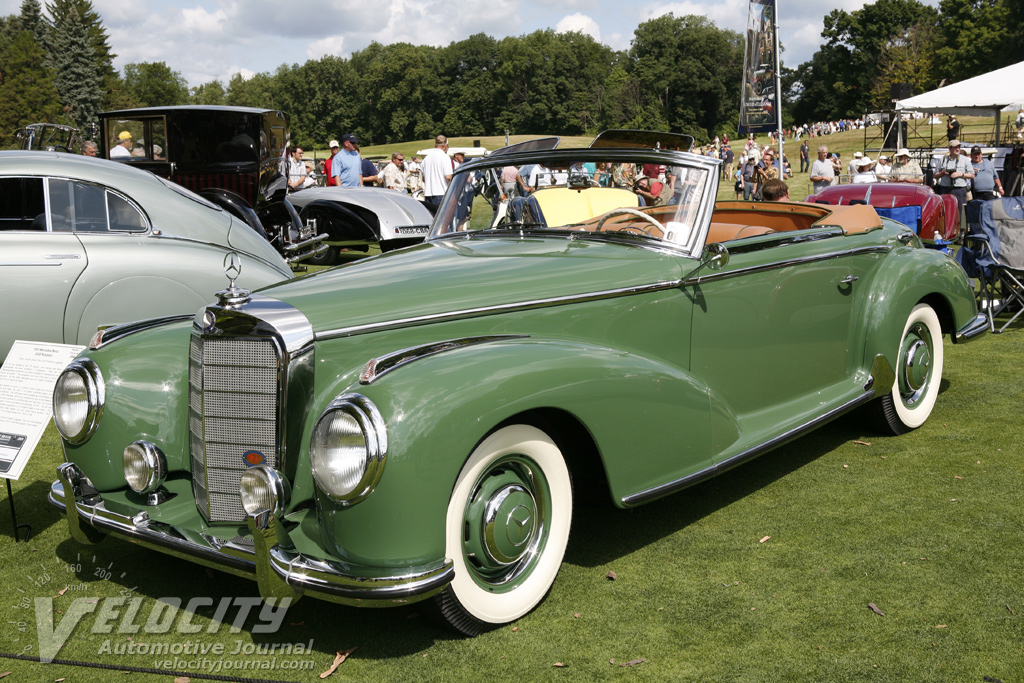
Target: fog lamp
263,489
145,467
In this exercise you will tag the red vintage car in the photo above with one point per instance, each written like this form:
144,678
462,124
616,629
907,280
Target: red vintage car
916,206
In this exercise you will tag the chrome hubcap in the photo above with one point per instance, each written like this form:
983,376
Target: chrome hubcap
916,367
504,522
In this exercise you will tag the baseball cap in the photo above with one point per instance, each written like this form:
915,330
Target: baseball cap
333,143
975,150
124,135
348,137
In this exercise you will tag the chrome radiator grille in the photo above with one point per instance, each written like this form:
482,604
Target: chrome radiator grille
233,410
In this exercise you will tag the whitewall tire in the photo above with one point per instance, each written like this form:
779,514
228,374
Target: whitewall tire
506,529
918,373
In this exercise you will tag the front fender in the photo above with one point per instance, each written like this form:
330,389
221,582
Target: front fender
907,277
342,223
650,422
133,410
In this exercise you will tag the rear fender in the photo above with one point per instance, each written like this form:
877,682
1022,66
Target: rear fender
647,419
235,205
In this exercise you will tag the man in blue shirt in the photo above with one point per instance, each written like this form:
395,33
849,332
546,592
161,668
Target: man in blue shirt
986,183
347,165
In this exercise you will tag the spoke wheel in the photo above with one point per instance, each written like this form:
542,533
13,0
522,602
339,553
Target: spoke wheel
507,528
918,373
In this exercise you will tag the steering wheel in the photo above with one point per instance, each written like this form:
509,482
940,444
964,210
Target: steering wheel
631,212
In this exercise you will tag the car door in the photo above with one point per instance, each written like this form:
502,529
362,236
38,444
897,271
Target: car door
41,259
775,332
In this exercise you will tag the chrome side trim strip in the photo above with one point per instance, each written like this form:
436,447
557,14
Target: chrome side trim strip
115,332
492,310
972,330
749,454
787,263
578,298
376,368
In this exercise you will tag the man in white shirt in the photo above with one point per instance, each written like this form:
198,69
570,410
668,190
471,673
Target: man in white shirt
393,176
437,173
882,168
122,150
854,165
298,177
822,173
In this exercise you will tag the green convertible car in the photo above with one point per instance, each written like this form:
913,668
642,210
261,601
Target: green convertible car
412,426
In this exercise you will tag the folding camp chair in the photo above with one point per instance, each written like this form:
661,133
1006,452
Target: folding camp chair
993,253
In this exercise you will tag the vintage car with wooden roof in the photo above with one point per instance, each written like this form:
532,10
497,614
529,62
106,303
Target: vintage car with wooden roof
421,425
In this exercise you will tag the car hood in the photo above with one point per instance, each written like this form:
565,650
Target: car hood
392,208
445,276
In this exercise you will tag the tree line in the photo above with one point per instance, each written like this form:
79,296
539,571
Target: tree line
865,52
680,74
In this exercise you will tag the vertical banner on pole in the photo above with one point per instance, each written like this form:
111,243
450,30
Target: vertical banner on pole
758,99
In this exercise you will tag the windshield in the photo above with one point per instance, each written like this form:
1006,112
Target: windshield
651,196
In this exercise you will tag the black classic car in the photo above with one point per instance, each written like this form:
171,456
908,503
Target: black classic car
237,158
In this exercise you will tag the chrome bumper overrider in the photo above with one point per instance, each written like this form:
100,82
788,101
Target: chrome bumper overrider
973,329
274,563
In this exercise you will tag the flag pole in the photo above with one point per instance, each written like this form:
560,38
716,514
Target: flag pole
778,90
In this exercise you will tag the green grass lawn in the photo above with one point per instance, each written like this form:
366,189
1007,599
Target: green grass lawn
925,526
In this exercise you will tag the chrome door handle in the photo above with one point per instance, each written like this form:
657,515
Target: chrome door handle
849,279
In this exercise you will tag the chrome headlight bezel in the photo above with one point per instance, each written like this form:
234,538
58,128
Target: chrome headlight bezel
261,485
364,413
152,461
78,429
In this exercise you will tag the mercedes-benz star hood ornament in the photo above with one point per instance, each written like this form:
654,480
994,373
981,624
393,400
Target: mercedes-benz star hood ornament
232,296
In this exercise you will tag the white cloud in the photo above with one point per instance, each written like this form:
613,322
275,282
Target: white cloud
330,46
619,41
579,22
199,21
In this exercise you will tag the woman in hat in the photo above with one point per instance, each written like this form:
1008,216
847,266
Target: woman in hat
864,173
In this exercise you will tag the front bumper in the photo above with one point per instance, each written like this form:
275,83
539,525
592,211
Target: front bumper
272,560
973,329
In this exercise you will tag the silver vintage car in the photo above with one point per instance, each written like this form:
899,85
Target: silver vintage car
86,243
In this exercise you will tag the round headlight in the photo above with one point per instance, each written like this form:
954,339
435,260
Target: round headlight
78,400
145,467
348,449
263,489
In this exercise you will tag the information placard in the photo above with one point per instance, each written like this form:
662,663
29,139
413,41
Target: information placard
27,378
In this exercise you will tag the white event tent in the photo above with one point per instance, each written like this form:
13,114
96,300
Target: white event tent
985,95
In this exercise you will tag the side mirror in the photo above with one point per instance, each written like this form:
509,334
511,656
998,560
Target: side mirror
715,256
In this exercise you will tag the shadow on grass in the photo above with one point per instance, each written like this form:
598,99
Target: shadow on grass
378,633
32,508
605,533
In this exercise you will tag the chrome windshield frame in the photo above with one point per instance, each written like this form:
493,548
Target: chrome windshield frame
448,209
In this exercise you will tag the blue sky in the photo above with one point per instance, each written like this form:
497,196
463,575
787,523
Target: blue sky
205,40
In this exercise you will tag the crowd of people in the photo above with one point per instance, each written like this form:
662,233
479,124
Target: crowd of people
345,167
757,172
